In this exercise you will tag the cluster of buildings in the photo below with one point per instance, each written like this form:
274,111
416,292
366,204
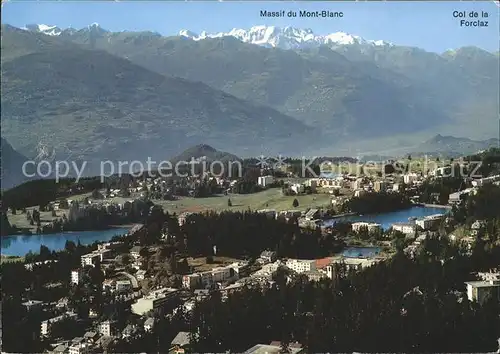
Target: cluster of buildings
215,276
155,301
362,185
314,269
427,223
485,288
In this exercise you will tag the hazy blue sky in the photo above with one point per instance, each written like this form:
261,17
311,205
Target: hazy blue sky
429,25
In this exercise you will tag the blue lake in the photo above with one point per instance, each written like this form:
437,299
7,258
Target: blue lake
387,219
18,245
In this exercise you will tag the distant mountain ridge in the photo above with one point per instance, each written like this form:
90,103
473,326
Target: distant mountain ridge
286,37
203,152
455,145
333,96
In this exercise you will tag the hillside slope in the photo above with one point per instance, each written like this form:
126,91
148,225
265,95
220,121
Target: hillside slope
90,105
11,166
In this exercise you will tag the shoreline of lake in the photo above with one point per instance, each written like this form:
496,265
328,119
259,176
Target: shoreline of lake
386,219
108,227
20,245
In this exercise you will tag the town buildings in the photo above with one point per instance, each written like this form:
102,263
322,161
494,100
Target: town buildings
457,197
80,348
107,328
265,181
301,265
76,276
380,186
405,228
430,222
480,291
47,324
482,181
209,278
154,301
91,259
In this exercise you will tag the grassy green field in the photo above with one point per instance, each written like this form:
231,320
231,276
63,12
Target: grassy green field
268,199
9,259
19,220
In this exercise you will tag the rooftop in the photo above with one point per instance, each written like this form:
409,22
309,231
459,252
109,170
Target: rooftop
269,349
181,339
483,283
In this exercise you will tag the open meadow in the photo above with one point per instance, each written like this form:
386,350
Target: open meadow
268,199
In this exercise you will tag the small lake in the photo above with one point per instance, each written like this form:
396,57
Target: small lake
387,219
19,245
360,252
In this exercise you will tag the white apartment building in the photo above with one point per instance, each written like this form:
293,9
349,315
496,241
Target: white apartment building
301,265
481,291
89,259
409,178
297,188
457,196
92,258
80,348
405,228
216,275
106,328
429,222
265,181
369,226
155,301
76,276
483,181
46,325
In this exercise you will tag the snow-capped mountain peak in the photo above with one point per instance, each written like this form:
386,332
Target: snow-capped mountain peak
56,31
45,29
285,37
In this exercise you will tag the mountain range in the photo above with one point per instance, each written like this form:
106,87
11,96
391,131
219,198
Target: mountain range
455,146
98,94
286,37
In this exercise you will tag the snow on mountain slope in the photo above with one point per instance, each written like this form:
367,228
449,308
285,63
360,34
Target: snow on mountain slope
45,29
285,38
56,31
